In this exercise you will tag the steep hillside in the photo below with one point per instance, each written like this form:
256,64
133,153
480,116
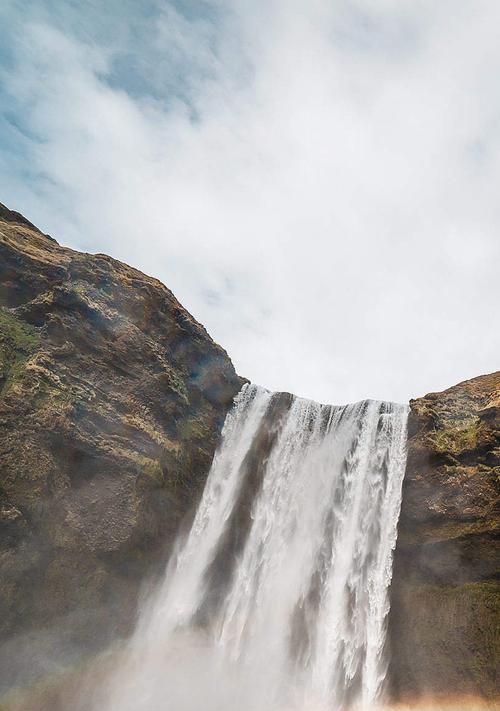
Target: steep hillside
112,398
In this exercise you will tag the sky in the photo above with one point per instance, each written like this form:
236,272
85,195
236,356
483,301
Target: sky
317,181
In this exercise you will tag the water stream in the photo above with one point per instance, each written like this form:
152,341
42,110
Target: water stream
277,597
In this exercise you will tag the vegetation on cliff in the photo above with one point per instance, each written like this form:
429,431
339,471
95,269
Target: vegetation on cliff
112,398
445,613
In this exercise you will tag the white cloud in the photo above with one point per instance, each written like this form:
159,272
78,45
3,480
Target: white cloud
319,188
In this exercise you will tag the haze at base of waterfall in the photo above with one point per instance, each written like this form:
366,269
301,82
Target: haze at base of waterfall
277,598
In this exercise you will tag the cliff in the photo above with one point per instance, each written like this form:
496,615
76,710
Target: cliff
112,398
445,612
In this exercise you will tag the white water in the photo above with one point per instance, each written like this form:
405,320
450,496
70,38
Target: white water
292,615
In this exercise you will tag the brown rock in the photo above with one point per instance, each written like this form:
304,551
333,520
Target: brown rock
112,398
445,612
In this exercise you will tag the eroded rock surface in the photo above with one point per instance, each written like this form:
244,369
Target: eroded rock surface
445,614
112,398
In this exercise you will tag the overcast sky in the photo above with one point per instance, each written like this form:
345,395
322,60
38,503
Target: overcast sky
316,180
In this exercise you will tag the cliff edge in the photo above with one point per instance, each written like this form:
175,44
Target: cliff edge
445,611
112,399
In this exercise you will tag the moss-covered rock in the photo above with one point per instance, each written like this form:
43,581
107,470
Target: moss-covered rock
112,398
445,613
18,340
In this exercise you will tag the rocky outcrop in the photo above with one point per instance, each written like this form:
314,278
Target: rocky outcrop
445,612
112,398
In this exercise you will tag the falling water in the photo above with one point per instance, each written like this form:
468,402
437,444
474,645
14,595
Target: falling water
278,596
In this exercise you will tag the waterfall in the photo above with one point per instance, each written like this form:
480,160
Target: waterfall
277,598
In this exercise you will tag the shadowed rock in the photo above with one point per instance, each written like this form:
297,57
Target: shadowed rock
445,613
112,398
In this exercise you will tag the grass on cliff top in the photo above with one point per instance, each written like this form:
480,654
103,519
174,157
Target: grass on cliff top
457,436
18,340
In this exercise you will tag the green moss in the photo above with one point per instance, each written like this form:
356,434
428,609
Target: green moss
149,471
193,428
178,385
18,340
151,468
456,436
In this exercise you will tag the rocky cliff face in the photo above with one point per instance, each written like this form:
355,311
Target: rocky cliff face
112,398
445,613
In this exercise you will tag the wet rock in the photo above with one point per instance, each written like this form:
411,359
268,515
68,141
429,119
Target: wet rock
445,611
112,399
